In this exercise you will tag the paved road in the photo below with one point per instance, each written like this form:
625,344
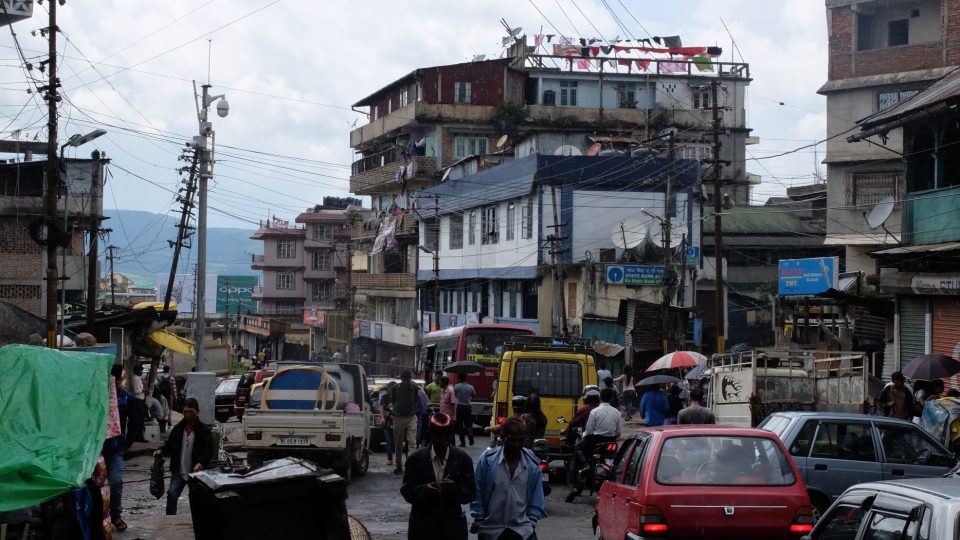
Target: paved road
374,499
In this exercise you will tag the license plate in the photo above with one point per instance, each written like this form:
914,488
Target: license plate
223,409
293,441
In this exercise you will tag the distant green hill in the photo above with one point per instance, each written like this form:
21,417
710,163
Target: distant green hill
143,248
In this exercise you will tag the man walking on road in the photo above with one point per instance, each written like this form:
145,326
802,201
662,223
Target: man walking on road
465,394
509,500
896,399
404,399
696,413
434,390
190,447
438,479
654,407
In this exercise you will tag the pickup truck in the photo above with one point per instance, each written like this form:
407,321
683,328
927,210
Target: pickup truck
744,388
316,411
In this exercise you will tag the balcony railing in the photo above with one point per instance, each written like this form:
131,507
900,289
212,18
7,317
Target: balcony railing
374,178
384,281
407,226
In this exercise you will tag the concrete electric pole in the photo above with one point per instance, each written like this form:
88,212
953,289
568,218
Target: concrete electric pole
53,177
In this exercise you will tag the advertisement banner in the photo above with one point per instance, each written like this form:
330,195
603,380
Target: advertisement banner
234,292
634,274
807,276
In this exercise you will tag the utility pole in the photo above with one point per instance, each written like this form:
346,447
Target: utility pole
206,172
183,228
436,262
556,249
53,176
92,273
350,306
717,234
113,282
667,254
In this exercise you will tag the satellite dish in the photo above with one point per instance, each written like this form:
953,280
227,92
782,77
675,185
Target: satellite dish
881,212
629,234
479,57
676,236
567,150
594,149
502,141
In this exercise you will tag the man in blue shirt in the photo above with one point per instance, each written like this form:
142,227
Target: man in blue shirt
654,407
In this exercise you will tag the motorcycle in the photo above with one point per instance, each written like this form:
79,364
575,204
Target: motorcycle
593,468
540,449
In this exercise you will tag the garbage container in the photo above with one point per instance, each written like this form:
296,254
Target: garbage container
285,498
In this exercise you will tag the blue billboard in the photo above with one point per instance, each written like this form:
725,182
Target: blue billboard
807,276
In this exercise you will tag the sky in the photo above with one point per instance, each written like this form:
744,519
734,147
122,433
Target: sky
291,69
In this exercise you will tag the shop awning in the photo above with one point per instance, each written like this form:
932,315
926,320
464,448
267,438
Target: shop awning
171,341
921,248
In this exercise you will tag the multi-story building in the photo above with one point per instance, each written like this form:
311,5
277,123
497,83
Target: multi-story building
303,265
22,229
433,118
880,53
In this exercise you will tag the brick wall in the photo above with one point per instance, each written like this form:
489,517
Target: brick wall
846,62
23,296
15,237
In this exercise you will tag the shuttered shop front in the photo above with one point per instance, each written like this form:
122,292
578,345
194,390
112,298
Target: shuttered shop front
913,327
945,331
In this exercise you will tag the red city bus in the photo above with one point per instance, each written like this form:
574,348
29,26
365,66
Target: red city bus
481,343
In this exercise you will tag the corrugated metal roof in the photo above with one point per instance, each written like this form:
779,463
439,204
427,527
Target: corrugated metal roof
761,221
922,248
938,92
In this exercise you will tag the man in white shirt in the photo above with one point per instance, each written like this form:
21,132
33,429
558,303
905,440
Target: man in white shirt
603,425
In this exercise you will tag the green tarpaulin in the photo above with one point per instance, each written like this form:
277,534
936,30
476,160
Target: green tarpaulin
53,417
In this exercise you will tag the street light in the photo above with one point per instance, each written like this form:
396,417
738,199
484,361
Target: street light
74,141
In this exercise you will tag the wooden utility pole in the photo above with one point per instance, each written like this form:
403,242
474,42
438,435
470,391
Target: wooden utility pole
92,274
721,304
53,176
183,229
556,249
436,262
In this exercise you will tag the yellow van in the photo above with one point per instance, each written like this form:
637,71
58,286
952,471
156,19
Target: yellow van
557,373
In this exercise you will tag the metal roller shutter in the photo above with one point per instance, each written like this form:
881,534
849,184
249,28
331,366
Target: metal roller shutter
913,327
945,331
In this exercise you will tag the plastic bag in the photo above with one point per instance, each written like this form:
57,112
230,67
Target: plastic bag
156,477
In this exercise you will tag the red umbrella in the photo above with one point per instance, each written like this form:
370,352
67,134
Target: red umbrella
678,359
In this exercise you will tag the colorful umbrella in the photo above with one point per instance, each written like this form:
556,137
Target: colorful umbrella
678,359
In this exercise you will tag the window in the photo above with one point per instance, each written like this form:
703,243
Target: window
911,445
431,234
321,291
554,378
285,281
885,525
636,461
526,215
568,93
375,112
321,260
898,32
469,145
868,188
285,248
843,522
701,99
389,105
419,92
404,97
321,232
865,32
511,221
801,445
461,92
287,308
456,231
842,440
723,460
627,95
472,230
622,460
886,99
489,230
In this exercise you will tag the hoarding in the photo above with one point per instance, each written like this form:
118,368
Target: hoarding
234,292
807,276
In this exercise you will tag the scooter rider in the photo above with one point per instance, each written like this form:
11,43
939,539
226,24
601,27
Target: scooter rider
591,399
603,425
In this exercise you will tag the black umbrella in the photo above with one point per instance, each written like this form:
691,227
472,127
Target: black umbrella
928,367
697,372
464,366
658,379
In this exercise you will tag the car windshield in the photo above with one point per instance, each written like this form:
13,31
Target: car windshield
227,386
723,460
487,345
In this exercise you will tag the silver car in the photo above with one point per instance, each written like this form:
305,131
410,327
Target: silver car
835,451
904,510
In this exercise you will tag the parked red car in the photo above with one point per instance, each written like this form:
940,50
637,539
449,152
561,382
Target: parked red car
703,482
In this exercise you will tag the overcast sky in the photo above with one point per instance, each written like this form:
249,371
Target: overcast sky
290,70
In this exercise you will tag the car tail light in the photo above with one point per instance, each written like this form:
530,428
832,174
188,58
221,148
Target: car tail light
255,436
612,447
804,521
651,520
501,413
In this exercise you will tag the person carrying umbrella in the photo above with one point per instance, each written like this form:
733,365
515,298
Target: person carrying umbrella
896,399
654,407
